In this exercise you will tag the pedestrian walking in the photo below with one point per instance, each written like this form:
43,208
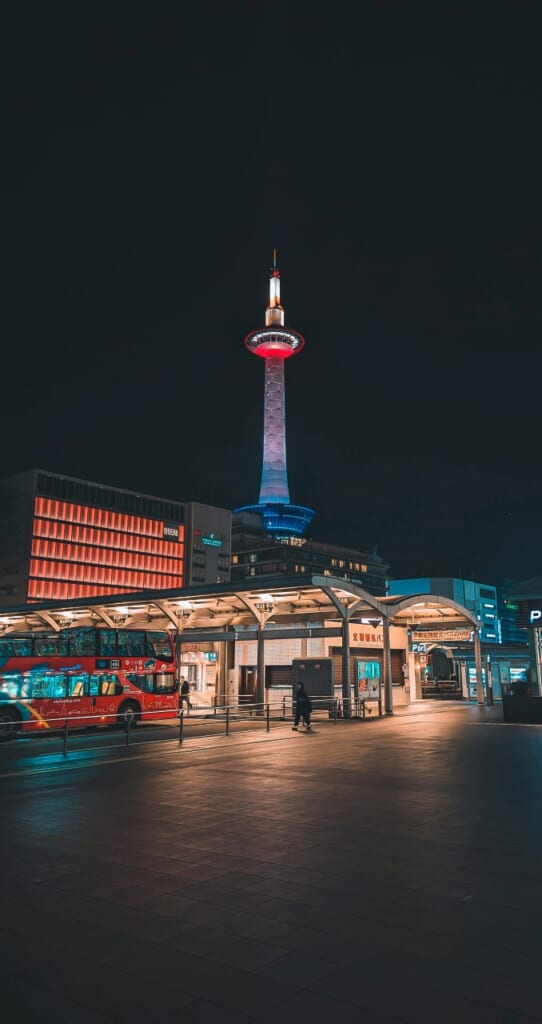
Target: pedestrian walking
185,694
303,707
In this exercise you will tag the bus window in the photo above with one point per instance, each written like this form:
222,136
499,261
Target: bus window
13,685
82,643
48,684
131,643
107,642
94,686
17,647
78,685
165,682
153,682
22,648
110,686
45,645
62,645
159,646
142,680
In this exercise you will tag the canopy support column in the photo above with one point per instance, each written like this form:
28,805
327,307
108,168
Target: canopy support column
388,692
478,664
260,669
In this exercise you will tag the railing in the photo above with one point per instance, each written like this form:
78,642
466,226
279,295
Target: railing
282,710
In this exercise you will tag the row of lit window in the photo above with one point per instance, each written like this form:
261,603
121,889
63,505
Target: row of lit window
102,575
101,556
55,530
336,562
51,590
355,566
49,508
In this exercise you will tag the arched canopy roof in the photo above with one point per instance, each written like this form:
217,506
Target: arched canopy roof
229,606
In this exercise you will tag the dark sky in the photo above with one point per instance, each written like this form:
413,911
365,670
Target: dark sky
150,166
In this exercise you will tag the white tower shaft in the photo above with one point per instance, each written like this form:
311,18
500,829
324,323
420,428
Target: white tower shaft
274,486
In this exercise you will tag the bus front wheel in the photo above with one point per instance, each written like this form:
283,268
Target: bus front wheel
128,714
10,724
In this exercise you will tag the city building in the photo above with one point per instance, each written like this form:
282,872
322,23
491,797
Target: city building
446,655
509,612
257,554
275,343
527,596
62,538
480,598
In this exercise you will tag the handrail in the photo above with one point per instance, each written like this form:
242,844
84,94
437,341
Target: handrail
254,712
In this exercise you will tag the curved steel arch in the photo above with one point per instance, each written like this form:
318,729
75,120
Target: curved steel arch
325,583
448,602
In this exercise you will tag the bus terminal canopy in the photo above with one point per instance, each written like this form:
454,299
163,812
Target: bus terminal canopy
308,603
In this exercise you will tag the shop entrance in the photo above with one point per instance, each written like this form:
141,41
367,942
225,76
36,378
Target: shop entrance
247,684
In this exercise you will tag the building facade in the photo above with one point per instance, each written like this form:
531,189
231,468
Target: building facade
480,598
442,658
62,538
257,554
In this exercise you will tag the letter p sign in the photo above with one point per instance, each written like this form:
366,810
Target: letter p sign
535,617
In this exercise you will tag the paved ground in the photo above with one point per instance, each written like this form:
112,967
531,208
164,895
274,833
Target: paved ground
366,872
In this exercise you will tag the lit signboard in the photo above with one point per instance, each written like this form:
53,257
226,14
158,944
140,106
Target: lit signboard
535,617
211,541
365,636
443,634
171,532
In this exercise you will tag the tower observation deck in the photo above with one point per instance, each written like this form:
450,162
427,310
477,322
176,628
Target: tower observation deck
275,343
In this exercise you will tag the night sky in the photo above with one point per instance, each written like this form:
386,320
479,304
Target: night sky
150,167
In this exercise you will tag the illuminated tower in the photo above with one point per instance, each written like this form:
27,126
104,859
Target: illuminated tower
275,343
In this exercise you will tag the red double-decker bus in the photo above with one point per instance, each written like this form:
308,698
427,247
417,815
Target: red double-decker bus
86,677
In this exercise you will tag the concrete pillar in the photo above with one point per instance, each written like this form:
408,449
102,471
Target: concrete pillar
260,669
345,651
534,659
478,664
388,692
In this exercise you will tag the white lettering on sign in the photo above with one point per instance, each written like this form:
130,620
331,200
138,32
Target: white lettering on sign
171,531
443,634
535,615
365,637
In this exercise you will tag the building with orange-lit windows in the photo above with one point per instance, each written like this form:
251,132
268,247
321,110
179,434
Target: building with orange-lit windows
64,538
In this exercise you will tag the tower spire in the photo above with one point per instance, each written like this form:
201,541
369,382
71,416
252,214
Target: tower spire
274,314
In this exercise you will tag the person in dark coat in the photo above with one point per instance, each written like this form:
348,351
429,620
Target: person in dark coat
185,694
303,707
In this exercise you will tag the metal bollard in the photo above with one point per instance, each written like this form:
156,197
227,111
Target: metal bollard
284,707
128,725
268,718
66,727
181,727
336,706
227,721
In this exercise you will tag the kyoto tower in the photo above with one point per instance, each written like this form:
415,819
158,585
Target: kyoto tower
275,343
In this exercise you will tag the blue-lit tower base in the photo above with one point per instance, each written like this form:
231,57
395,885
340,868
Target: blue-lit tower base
282,520
275,344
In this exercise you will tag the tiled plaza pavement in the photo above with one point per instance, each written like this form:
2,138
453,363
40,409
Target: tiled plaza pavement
380,871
